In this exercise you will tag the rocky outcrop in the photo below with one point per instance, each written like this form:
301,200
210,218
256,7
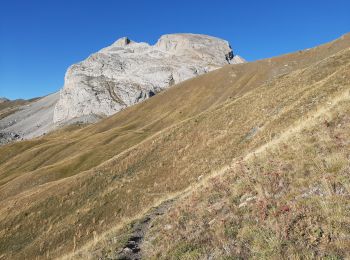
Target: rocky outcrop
31,120
128,72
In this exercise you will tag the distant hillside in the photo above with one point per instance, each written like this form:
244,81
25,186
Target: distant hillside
22,119
8,107
250,161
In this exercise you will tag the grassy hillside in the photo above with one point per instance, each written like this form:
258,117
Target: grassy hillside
60,194
287,199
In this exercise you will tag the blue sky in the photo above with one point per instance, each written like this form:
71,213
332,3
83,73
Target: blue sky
40,39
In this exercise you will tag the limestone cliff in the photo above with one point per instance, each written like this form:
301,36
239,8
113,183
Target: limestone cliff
128,72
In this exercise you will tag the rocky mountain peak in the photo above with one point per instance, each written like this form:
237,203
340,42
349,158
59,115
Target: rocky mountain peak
128,72
122,42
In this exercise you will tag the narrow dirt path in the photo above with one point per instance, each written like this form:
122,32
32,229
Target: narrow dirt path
132,248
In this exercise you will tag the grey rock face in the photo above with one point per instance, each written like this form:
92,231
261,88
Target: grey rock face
128,72
32,120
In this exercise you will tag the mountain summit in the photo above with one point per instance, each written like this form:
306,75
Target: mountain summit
128,72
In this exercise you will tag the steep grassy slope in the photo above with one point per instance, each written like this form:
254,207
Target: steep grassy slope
62,191
288,199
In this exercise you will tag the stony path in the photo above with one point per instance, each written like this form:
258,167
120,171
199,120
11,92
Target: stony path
132,250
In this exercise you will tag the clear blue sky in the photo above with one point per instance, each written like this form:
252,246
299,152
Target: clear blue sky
40,39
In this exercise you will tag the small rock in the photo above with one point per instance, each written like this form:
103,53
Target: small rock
168,227
127,250
211,222
242,204
245,199
131,244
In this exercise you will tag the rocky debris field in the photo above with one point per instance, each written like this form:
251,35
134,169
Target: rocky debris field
30,120
8,137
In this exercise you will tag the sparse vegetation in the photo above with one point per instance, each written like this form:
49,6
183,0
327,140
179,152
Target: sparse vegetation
288,201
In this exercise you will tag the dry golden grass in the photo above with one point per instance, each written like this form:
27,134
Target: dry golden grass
290,200
61,193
